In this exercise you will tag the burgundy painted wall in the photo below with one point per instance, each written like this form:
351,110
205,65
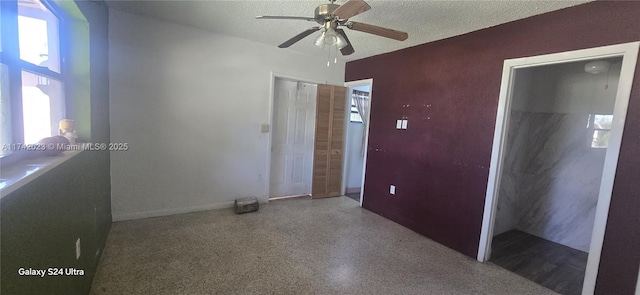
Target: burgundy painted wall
449,90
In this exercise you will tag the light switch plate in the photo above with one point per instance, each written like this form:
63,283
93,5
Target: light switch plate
392,189
399,124
404,124
264,128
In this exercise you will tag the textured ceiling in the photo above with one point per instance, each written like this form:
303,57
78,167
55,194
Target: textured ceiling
425,21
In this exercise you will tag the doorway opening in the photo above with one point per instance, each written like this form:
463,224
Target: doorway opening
357,132
292,139
306,141
556,145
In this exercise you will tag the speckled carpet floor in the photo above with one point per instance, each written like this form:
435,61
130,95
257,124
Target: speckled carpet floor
296,246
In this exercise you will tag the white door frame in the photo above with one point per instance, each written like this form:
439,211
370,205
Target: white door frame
638,285
272,94
629,52
350,84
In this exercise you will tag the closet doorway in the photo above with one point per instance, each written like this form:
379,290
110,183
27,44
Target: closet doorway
559,128
307,139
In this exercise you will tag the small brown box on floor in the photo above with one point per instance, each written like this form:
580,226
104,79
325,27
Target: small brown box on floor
246,205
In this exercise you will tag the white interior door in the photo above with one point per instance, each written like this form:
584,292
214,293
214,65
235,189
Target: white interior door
292,139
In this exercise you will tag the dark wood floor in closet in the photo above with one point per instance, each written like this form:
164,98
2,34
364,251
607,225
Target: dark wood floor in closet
355,196
550,264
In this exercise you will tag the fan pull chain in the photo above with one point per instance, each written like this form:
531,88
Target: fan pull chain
335,60
329,58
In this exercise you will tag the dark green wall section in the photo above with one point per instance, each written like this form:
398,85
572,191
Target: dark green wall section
41,221
98,17
79,68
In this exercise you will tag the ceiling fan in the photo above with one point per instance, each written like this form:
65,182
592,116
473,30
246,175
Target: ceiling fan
333,16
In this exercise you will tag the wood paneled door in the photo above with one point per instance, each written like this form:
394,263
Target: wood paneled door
329,141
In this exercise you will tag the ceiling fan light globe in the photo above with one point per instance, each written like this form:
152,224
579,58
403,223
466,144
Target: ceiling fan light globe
330,40
341,42
330,37
320,40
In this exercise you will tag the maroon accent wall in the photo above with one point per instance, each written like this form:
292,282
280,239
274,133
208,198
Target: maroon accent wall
449,90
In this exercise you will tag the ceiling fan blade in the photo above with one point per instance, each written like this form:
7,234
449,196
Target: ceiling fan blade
347,50
380,31
351,8
285,17
298,37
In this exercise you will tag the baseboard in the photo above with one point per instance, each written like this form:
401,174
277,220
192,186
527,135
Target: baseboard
173,211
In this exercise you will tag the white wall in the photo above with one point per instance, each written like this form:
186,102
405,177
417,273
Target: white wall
190,105
566,89
355,157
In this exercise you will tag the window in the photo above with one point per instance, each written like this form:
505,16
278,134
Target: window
32,88
38,35
601,130
355,115
5,106
42,106
359,100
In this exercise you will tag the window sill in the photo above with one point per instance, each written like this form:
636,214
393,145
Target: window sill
18,174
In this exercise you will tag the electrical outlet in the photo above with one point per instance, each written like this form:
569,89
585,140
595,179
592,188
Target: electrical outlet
392,189
78,249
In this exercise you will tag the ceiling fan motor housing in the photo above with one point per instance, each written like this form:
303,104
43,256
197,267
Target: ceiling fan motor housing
324,12
330,16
